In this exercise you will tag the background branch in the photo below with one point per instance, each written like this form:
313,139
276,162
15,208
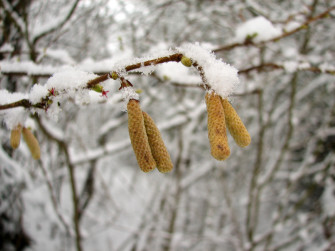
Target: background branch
304,25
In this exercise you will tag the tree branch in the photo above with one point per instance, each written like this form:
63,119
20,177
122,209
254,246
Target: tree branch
249,42
13,15
57,26
90,84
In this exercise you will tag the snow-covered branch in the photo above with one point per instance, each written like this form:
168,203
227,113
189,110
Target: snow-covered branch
248,41
213,72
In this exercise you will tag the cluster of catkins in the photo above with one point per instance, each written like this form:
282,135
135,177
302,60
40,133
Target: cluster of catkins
29,138
222,114
148,144
146,140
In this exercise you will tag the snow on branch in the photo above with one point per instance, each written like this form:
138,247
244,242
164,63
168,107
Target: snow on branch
257,38
291,66
77,84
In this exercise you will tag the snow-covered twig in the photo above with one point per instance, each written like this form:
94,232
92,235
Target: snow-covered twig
278,66
26,103
249,42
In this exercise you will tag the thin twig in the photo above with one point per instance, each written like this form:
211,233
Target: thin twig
76,213
54,200
249,42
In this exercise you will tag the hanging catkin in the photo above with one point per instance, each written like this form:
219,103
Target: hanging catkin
235,125
15,136
32,143
158,149
138,137
217,133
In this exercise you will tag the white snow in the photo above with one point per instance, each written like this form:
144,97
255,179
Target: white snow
174,72
290,66
27,67
220,76
258,28
292,26
304,65
69,79
128,93
37,92
69,83
326,66
61,55
6,47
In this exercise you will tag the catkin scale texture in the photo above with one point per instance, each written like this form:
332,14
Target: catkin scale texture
15,137
158,148
217,132
138,137
235,125
32,143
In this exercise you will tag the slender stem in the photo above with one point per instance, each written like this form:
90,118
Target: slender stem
76,210
256,169
171,58
177,196
90,84
249,42
54,200
75,200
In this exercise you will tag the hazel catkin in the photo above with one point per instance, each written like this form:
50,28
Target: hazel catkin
157,146
138,137
15,136
217,132
235,125
32,143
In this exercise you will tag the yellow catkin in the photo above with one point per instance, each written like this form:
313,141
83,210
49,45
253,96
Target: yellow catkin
217,132
138,137
15,136
235,125
32,143
158,149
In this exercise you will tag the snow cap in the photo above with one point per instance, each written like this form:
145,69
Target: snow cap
220,76
258,28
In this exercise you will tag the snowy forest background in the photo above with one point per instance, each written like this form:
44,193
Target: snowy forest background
87,192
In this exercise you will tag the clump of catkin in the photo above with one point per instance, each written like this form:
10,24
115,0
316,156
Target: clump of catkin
217,132
32,143
15,136
157,146
235,125
138,137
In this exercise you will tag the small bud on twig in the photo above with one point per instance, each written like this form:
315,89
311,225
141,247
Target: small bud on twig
98,88
186,61
114,75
